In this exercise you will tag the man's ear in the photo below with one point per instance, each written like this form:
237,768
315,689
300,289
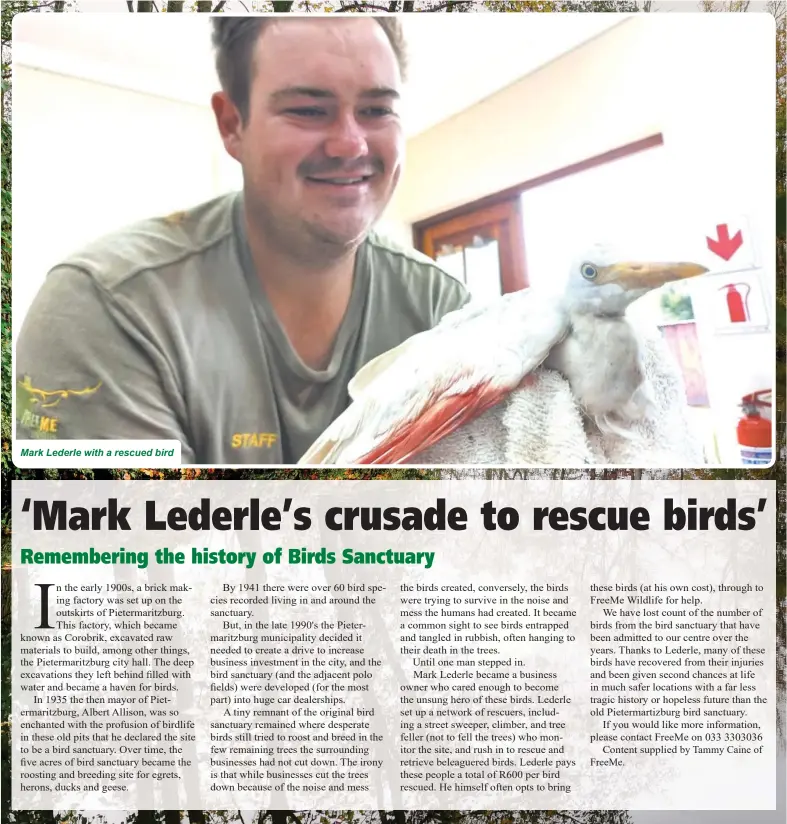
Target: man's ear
228,120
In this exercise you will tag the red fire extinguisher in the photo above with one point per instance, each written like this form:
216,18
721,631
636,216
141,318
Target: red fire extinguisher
737,304
754,431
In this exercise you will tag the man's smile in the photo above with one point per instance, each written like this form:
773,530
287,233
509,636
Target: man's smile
343,181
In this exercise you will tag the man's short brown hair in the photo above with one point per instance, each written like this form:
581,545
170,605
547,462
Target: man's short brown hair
234,39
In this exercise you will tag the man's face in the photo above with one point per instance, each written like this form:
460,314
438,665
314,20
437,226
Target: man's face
321,150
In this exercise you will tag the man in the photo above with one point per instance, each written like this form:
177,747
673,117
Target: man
236,326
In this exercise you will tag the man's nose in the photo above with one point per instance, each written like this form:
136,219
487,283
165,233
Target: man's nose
346,138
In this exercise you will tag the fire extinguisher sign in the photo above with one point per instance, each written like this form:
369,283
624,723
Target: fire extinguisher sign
737,300
737,292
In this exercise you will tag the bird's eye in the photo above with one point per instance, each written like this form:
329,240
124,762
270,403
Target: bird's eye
589,271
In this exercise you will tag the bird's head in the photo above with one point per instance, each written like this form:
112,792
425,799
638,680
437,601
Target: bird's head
605,282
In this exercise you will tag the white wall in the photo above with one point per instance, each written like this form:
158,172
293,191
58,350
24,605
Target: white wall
90,158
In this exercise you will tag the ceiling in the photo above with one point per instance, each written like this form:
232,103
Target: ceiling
456,60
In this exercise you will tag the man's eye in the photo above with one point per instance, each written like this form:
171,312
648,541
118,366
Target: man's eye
306,111
377,111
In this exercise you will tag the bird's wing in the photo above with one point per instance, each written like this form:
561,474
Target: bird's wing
378,366
414,395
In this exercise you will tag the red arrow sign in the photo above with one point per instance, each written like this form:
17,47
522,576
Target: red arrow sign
725,246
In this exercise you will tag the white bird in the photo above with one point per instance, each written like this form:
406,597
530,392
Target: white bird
409,398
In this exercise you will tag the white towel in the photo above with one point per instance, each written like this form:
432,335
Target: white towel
542,425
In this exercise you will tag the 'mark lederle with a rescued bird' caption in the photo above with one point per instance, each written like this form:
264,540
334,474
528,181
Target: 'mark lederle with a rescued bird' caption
531,378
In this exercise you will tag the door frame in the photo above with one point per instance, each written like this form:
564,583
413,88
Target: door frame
501,220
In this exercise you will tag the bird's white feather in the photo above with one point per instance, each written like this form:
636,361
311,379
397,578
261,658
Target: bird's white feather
493,345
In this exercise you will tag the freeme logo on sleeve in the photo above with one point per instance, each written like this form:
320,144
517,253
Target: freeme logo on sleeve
34,404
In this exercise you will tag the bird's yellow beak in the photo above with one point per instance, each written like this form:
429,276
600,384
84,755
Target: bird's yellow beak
631,275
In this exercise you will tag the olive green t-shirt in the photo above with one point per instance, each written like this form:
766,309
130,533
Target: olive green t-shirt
163,330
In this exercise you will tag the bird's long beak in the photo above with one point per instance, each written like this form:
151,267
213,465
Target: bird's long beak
642,276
